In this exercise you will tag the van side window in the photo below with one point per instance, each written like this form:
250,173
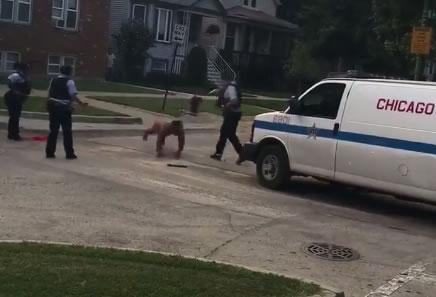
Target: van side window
321,102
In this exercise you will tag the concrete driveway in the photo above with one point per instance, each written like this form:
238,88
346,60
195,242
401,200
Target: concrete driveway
119,194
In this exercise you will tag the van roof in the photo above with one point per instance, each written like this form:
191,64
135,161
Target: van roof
392,81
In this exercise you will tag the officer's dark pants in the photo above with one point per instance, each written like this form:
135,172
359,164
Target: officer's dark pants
15,105
228,131
60,116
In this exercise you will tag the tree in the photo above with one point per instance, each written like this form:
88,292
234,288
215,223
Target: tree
392,23
336,30
369,35
132,44
302,66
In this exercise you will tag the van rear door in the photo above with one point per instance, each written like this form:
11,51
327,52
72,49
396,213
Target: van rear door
315,122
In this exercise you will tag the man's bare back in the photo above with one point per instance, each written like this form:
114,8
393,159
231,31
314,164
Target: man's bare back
163,130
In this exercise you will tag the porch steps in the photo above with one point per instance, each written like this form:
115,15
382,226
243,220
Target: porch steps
214,75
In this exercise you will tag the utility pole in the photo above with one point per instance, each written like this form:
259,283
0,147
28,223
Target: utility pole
420,59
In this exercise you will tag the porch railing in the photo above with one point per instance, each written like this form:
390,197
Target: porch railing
178,64
214,57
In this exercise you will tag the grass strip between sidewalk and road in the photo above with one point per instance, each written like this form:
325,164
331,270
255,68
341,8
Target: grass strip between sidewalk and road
278,105
92,85
271,94
174,105
37,270
39,104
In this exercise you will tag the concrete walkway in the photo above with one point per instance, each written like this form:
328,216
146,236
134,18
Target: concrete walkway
147,117
203,121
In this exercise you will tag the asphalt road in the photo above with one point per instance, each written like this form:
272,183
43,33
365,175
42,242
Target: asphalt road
119,194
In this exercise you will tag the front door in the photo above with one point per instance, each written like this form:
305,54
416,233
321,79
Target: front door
315,122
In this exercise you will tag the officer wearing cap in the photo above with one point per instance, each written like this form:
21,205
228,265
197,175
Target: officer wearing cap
62,95
19,89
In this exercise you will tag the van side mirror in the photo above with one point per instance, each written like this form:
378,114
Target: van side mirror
292,103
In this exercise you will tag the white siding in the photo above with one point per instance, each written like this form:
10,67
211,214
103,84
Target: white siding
211,5
232,3
214,40
120,12
267,6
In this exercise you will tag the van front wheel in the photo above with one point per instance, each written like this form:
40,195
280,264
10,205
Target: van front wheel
272,167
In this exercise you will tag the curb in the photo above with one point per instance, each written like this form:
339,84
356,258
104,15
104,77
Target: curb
104,132
326,290
122,120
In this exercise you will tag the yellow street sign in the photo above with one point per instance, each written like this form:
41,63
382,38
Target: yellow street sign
421,40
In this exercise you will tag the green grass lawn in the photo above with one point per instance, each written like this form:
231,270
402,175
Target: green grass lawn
278,105
89,85
272,94
38,104
33,270
174,105
197,90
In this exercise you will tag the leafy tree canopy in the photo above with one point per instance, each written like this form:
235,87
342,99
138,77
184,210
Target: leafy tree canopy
371,35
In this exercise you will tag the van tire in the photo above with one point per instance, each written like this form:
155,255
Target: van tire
275,158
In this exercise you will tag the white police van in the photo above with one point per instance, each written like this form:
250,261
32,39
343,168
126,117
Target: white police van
375,134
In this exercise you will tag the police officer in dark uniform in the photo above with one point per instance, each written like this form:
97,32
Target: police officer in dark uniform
230,98
62,95
19,89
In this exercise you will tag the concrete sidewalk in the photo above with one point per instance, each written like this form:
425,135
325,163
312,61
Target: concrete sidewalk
90,129
204,121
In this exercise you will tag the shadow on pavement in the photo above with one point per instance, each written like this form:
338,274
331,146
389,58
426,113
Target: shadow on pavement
361,200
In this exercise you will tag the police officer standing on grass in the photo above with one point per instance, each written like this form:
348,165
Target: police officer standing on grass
19,90
62,95
229,99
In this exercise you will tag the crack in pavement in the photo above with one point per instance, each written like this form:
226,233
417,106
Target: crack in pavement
230,223
242,234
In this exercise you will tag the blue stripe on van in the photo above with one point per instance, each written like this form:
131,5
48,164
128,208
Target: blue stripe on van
293,129
393,143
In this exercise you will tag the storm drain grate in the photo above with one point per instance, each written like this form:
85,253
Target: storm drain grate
331,252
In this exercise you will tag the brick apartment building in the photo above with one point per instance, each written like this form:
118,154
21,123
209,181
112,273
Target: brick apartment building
50,33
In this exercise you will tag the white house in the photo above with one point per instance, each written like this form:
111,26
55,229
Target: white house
247,29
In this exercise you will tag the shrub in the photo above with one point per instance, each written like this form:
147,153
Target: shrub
132,43
196,72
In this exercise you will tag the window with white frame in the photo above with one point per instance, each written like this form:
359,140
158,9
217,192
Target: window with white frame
56,62
250,3
164,21
8,60
139,13
17,11
65,13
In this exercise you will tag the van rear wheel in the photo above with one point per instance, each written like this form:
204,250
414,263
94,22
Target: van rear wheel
272,167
